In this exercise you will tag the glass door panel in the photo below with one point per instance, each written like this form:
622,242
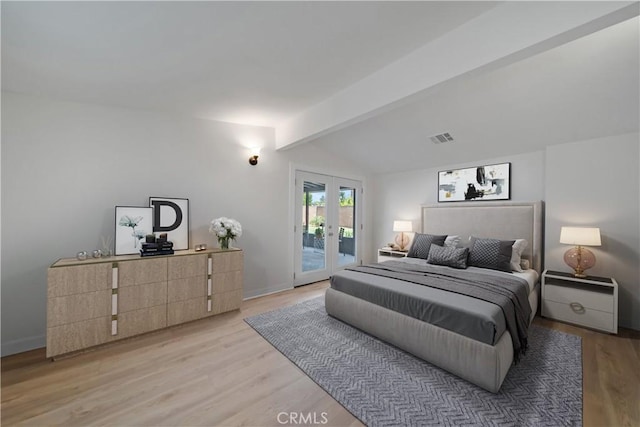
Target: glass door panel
313,226
312,262
347,226
326,226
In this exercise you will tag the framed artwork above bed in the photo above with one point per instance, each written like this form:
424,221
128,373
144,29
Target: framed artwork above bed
490,182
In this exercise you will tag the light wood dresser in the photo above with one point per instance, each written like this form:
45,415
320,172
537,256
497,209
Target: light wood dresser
97,301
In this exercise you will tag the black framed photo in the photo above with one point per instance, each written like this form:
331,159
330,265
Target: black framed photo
171,216
133,223
490,182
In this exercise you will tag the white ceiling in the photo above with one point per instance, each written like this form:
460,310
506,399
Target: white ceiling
263,62
244,62
585,89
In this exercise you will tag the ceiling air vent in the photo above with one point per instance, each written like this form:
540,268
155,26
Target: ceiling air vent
441,138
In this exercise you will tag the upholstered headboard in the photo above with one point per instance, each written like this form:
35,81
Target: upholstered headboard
498,220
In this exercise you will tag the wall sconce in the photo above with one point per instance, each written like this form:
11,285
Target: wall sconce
253,160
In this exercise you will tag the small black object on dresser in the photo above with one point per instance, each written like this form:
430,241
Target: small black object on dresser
157,248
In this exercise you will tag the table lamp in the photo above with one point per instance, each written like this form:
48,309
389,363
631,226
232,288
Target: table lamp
579,258
402,226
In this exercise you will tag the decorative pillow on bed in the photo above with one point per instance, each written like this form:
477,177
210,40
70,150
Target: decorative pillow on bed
422,243
518,248
448,256
491,253
452,242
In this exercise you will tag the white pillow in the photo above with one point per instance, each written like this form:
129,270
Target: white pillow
452,242
524,263
516,253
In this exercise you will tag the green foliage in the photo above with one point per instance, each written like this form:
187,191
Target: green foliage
344,200
308,199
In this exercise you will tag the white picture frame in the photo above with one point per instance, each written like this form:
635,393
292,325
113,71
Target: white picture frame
132,224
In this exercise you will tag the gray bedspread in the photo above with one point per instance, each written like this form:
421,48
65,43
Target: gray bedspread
473,302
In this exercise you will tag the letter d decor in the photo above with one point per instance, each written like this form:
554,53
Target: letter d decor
171,216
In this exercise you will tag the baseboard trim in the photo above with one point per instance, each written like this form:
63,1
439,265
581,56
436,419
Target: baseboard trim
23,344
270,291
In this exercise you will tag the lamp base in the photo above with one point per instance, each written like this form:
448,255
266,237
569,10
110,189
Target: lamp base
579,259
402,240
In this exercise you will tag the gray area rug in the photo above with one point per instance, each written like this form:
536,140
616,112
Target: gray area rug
384,386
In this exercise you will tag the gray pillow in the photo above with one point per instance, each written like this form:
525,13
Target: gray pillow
422,243
491,253
448,256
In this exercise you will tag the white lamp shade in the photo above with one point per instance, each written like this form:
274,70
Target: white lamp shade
402,226
580,236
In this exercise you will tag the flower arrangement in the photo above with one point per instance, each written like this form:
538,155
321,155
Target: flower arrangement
225,229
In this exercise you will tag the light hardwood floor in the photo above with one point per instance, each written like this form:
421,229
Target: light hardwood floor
218,371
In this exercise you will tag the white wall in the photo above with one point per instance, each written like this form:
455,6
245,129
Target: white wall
66,165
399,195
597,183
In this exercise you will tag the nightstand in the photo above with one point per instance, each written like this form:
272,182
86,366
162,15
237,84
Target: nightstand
388,254
591,301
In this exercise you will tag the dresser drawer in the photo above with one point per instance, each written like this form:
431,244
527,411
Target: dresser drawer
586,316
189,288
64,281
131,298
226,282
141,321
79,307
187,266
227,301
227,261
186,311
588,298
142,271
76,336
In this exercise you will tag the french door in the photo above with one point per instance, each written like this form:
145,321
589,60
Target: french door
328,227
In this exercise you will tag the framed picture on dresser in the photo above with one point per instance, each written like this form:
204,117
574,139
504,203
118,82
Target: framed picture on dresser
489,182
132,224
171,216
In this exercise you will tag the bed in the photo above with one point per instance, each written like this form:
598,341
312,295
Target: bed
484,362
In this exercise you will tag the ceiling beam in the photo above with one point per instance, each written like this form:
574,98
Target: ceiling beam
505,34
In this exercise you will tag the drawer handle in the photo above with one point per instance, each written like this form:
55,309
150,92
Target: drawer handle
577,307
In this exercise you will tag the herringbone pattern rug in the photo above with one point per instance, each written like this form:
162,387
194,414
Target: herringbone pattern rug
384,386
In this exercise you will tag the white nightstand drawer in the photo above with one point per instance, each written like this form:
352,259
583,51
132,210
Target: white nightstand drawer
601,301
388,254
587,301
586,316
